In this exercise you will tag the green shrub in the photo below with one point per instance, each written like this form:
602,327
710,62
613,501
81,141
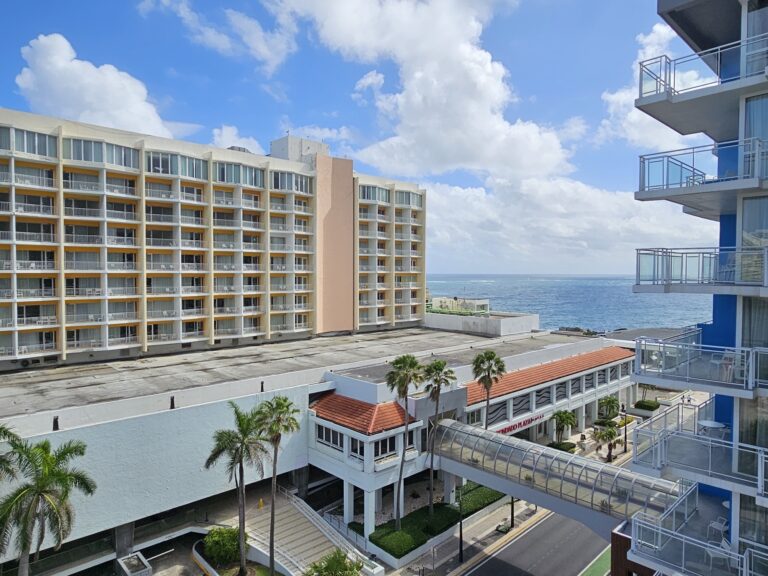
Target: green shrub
605,423
475,497
356,527
398,542
221,545
445,517
625,421
336,564
564,446
650,405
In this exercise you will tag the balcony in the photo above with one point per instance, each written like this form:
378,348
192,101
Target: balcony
161,242
224,266
193,290
280,247
252,330
252,246
160,217
303,326
223,244
226,310
121,241
82,212
96,291
250,267
83,238
162,337
84,344
251,203
121,189
278,267
82,186
121,215
193,312
160,193
302,229
251,309
193,334
117,265
278,288
36,348
35,293
700,92
191,243
192,266
84,265
192,220
301,287
29,208
36,321
160,290
161,313
252,225
84,318
301,209
735,372
226,331
42,237
224,288
741,271
33,180
123,341
225,222
33,265
683,441
280,307
119,291
122,316
275,227
160,266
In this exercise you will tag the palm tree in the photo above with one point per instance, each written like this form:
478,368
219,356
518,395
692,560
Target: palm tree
563,419
487,368
243,446
40,505
606,436
335,564
406,372
645,388
275,418
438,376
7,460
609,405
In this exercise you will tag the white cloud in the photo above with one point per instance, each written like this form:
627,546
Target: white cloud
372,81
574,128
182,129
57,83
227,136
270,48
200,32
624,121
325,134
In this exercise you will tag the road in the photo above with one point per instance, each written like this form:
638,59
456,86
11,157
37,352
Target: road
556,545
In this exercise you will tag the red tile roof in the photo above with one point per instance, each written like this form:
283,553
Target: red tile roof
535,375
358,415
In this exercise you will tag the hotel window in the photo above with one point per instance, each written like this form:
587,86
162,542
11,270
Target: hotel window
193,167
162,163
302,184
83,150
122,156
329,437
5,138
253,176
357,448
226,172
367,192
35,143
383,194
282,180
385,447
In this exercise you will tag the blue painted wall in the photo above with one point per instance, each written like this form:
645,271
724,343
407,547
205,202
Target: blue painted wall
722,330
728,161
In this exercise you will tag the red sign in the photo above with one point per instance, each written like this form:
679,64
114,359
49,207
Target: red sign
520,425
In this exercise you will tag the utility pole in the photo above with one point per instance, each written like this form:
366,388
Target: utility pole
461,528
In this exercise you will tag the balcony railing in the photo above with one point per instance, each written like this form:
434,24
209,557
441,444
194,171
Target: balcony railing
36,320
711,67
228,222
162,337
193,289
160,265
35,293
193,334
32,180
121,214
121,265
195,220
224,266
82,185
161,313
33,265
160,290
123,340
225,310
85,265
83,238
226,331
160,193
121,240
82,212
723,368
82,291
122,316
698,165
29,208
187,266
78,318
193,312
702,266
80,344
252,246
163,242
44,237
35,348
121,189
190,243
159,217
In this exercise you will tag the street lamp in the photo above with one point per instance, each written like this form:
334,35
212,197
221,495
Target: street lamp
625,428
461,527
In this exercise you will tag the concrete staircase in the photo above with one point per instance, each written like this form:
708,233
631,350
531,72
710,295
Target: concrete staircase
295,535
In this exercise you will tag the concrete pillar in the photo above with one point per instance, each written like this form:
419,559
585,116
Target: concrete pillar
123,538
449,488
369,505
379,498
581,418
300,479
552,430
595,410
349,502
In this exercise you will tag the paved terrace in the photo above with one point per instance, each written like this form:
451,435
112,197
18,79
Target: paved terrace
34,391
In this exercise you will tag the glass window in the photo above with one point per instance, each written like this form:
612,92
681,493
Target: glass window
367,192
122,156
83,150
253,176
329,437
357,448
193,167
35,143
162,163
385,447
5,138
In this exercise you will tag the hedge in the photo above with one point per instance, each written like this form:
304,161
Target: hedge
475,497
564,446
650,405
222,545
605,423
625,421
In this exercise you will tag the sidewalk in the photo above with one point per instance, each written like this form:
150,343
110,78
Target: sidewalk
480,540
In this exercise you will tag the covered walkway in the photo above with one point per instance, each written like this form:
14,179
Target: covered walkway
599,495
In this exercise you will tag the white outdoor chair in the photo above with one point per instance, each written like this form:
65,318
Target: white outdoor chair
719,551
720,525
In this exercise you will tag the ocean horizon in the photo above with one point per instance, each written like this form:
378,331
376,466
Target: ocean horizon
601,302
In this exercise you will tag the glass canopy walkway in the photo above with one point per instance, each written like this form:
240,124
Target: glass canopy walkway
591,484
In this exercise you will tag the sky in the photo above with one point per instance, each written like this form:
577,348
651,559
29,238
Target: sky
516,116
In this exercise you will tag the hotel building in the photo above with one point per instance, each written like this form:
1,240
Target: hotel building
719,447
118,244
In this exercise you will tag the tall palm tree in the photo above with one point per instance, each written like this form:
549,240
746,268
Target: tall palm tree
41,505
606,436
406,372
243,446
437,376
7,460
275,418
563,419
487,368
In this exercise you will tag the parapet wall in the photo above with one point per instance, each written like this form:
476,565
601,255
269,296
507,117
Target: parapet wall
495,325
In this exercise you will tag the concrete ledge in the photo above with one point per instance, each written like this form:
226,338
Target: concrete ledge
495,325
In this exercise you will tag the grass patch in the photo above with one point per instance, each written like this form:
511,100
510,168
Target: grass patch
475,497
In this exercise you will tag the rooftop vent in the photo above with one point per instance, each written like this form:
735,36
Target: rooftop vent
240,149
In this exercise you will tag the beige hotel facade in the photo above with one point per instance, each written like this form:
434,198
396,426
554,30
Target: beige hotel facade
119,244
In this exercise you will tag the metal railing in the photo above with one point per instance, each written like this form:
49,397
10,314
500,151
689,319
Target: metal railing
193,312
725,367
121,240
190,243
122,341
36,320
44,237
29,208
711,67
78,318
160,193
187,266
702,266
121,189
85,265
117,265
121,214
162,337
161,313
84,212
192,289
83,238
160,265
698,165
96,291
187,197
159,217
82,185
32,180
35,348
80,344
251,246
119,316
196,220
163,242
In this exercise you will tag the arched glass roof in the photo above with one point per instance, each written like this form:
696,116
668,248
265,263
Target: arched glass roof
602,487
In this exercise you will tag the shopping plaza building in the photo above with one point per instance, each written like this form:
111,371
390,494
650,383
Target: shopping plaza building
721,93
118,244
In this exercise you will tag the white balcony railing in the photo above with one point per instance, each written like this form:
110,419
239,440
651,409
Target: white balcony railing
162,337
192,289
722,64
123,340
121,189
45,237
193,312
36,348
84,265
696,166
193,334
36,320
192,243
82,185
252,246
159,217
82,212
702,266
122,316
121,214
80,318
83,238
160,265
33,180
35,293
33,265
163,242
195,220
83,291
116,265
191,266
84,344
121,240
29,208
225,310
160,193
161,313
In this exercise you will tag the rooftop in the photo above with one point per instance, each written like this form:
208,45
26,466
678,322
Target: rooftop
378,372
358,415
547,372
39,390
633,334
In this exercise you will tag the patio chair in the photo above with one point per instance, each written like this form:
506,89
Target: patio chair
720,525
719,551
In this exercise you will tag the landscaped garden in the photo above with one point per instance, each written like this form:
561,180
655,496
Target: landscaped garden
418,527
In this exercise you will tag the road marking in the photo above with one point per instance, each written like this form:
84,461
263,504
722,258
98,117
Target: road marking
508,544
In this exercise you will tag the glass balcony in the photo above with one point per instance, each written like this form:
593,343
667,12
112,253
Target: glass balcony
719,65
82,265
702,266
680,366
121,189
83,239
33,180
30,208
82,212
123,340
35,293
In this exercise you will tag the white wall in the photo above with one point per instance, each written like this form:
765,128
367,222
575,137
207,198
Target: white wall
148,464
496,325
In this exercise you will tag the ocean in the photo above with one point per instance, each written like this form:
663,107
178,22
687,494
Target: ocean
601,303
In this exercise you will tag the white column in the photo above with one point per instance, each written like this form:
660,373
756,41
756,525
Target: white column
581,417
595,410
552,430
379,499
449,488
349,502
369,505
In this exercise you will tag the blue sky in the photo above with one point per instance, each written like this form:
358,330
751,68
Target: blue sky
497,108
